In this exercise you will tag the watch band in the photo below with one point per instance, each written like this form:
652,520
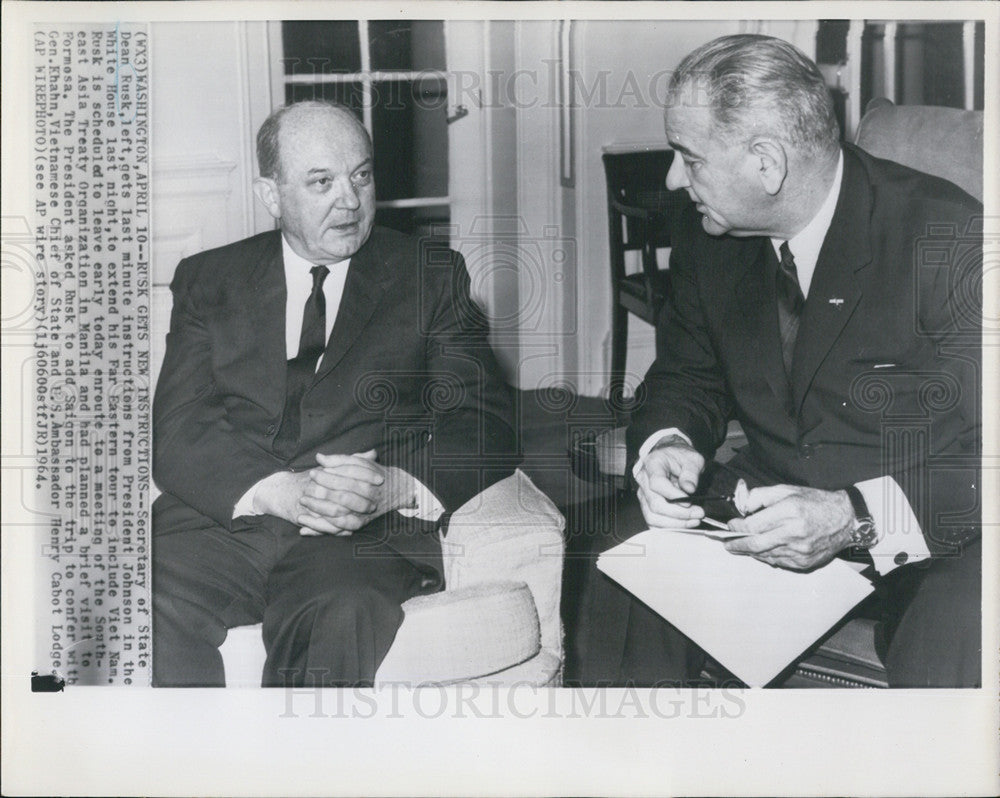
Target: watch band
864,533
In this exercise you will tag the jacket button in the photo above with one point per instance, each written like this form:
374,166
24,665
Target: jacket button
806,450
270,429
901,558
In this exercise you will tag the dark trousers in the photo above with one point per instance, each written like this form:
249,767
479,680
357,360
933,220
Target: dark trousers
330,606
930,611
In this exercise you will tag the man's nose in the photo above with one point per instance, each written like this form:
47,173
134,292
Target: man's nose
677,174
347,196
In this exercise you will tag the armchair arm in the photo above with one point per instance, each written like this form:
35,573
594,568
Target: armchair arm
511,532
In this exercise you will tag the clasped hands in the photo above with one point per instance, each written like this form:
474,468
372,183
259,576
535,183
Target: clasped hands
337,497
786,526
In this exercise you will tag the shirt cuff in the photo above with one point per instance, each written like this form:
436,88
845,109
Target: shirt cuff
425,505
651,441
245,505
901,538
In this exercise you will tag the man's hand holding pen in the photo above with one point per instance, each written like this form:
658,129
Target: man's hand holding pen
670,471
794,527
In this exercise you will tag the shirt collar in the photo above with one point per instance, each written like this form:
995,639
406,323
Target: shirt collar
297,265
806,244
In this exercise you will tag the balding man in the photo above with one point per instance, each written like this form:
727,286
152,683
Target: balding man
328,394
828,301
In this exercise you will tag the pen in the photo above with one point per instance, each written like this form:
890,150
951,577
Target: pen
698,497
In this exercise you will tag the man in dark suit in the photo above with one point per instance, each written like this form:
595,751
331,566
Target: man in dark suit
327,396
828,301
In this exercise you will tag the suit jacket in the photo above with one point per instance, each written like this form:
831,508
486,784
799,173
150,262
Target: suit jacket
407,370
886,369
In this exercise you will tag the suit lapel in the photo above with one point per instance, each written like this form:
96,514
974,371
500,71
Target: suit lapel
363,291
262,316
837,284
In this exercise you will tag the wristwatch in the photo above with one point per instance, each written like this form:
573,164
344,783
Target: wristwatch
864,535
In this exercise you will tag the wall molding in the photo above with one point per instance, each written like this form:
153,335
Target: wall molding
192,175
191,195
548,317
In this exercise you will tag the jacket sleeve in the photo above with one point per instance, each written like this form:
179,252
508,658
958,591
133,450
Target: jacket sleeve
685,387
198,455
472,442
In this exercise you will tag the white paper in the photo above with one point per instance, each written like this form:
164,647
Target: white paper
716,529
753,618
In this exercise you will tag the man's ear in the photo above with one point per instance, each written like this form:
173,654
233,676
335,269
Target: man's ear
773,163
266,190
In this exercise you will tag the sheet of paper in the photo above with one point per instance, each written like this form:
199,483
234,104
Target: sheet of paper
753,618
714,529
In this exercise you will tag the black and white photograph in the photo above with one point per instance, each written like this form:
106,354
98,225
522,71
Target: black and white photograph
500,398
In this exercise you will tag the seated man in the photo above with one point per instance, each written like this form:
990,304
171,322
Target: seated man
328,394
828,301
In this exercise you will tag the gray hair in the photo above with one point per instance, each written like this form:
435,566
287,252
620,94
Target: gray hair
749,79
268,149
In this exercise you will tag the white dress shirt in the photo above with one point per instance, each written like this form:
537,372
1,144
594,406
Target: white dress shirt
902,540
298,285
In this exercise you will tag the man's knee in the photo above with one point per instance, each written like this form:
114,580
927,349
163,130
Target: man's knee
336,616
344,615
595,527
336,638
179,619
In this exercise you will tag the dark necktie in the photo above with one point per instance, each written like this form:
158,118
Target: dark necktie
302,367
790,304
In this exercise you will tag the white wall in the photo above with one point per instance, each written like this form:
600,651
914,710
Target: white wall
482,187
548,241
210,91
